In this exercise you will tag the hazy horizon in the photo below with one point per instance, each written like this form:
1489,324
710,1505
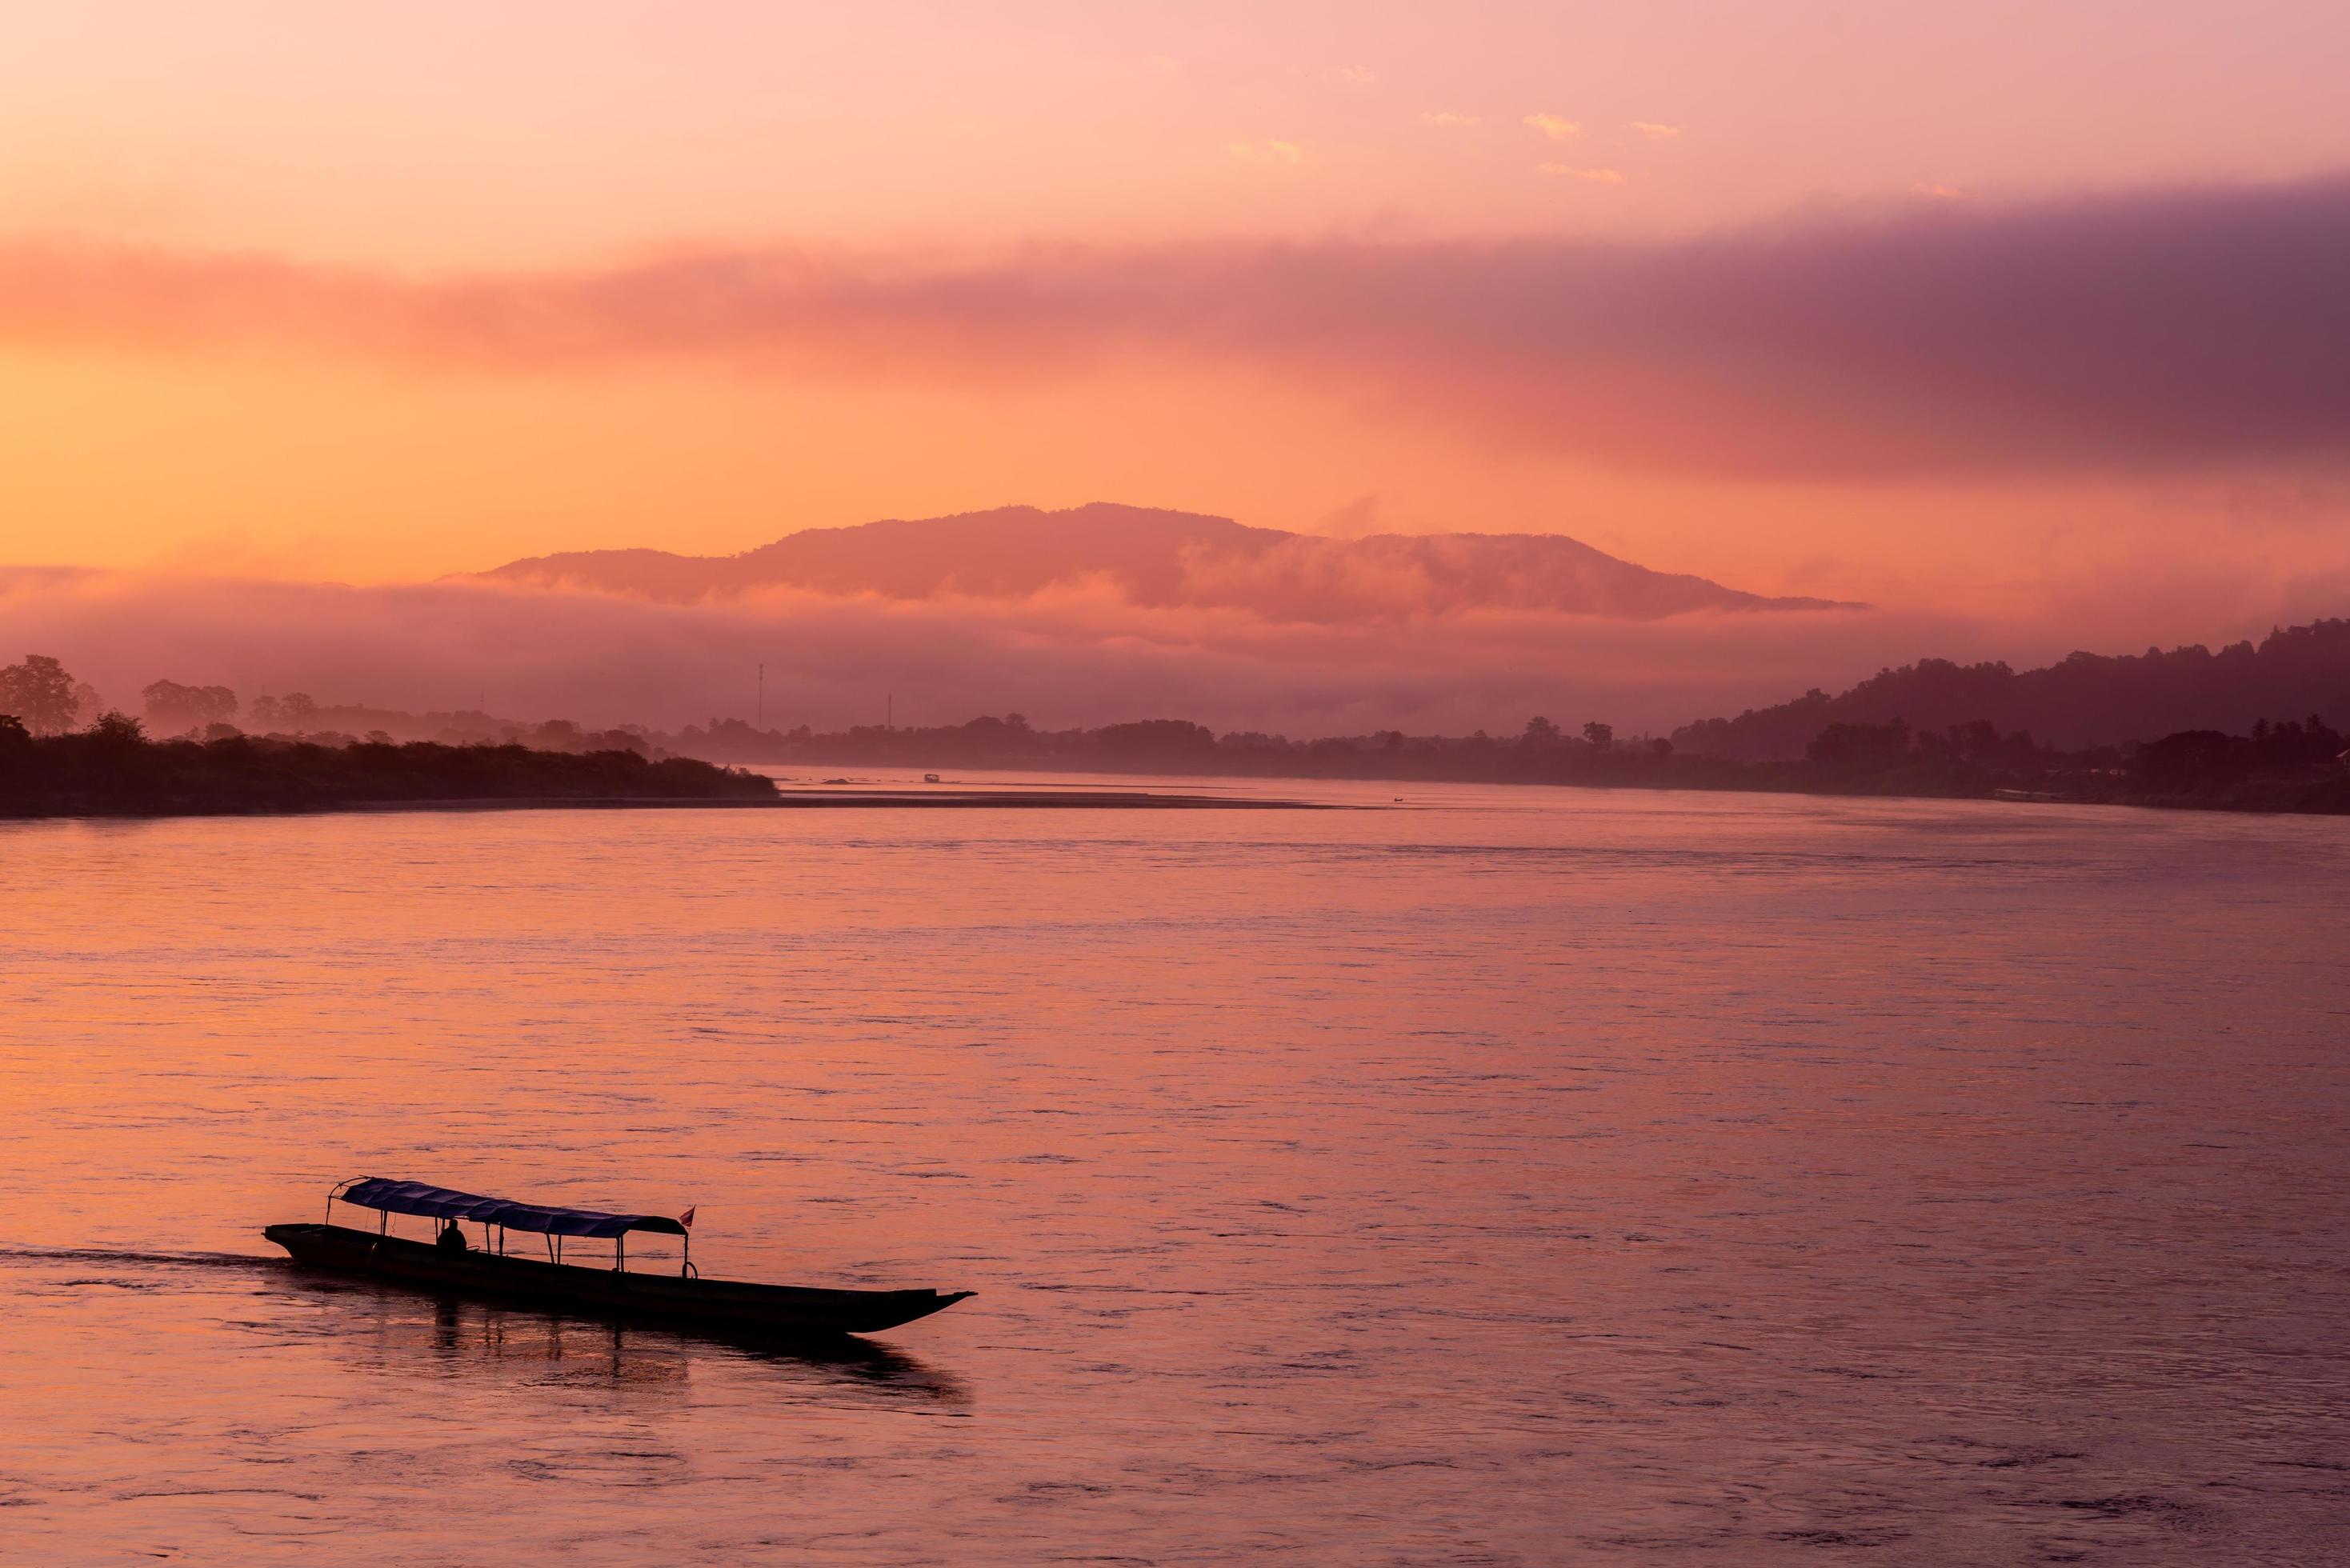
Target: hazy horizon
1333,640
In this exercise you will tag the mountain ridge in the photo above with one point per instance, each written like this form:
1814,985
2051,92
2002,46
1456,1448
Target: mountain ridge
1161,558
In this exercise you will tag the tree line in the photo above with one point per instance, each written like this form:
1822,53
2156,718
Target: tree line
2083,700
2293,764
52,762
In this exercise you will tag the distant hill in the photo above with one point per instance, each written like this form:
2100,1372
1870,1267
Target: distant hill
1164,559
2087,699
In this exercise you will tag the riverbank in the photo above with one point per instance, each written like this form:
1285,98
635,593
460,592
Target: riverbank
114,772
888,799
111,769
2316,791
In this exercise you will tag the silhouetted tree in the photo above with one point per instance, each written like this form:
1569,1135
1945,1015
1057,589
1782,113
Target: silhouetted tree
175,709
118,731
297,712
1601,736
2083,698
1847,745
1162,739
41,692
2194,760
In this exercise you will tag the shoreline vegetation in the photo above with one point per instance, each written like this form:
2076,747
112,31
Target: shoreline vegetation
64,753
111,769
2186,728
2194,770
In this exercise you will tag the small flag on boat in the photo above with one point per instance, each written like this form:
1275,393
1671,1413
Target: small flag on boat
686,1219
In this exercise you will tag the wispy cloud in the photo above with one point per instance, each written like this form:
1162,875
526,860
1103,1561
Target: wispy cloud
1942,192
1357,76
1558,127
1568,171
1655,133
2149,331
1283,152
1446,118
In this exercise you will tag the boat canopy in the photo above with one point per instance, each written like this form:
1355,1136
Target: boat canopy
440,1203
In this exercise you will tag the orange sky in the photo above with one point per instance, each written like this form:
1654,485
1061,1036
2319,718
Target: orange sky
268,269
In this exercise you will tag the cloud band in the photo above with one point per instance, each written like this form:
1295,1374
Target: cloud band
2145,331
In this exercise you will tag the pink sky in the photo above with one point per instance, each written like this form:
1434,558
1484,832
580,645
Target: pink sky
1985,310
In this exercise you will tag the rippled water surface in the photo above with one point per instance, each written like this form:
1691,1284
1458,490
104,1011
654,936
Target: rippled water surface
1505,1176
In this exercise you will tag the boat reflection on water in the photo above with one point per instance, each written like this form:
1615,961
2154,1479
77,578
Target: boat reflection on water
463,1338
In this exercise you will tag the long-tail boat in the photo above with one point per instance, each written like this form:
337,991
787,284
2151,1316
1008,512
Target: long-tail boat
490,1270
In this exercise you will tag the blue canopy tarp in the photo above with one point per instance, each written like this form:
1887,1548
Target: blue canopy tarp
440,1203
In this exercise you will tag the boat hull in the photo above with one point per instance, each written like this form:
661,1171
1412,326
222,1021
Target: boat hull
783,1310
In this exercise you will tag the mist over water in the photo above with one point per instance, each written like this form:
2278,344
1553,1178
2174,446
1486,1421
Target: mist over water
1070,654
1508,1175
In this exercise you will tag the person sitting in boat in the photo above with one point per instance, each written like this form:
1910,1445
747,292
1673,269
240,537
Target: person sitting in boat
451,1240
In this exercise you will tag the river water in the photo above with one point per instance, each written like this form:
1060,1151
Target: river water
1505,1176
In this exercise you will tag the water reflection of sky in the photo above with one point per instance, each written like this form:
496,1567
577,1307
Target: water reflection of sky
1526,1172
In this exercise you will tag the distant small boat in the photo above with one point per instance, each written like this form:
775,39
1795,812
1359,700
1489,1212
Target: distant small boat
784,1310
929,778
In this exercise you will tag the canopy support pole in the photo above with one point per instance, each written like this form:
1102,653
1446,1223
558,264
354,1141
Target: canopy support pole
446,1210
